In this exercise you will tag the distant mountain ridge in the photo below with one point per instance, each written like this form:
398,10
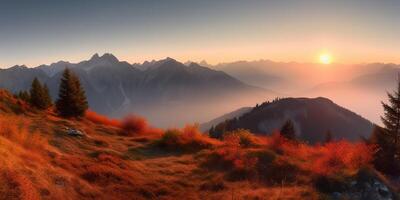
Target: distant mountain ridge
312,117
362,93
157,89
239,112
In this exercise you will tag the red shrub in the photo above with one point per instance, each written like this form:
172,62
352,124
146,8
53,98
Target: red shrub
187,139
278,143
339,156
100,119
134,125
231,155
241,136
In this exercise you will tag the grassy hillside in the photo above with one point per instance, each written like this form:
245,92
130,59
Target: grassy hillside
128,159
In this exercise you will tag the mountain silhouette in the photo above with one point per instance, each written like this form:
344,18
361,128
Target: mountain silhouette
156,89
312,117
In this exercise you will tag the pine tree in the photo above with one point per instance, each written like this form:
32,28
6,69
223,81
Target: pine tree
389,138
38,95
23,95
71,98
384,160
328,137
288,130
46,96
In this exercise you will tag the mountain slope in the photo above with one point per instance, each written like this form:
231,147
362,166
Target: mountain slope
239,112
155,89
312,119
39,159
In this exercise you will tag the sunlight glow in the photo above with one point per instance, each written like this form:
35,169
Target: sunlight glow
325,58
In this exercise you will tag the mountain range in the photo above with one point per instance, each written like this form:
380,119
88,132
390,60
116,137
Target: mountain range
363,93
359,87
294,77
167,92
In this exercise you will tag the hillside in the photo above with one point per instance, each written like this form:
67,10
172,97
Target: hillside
156,89
312,117
207,125
128,159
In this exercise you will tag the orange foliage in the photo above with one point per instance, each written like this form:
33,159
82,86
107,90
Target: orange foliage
134,125
334,157
188,139
100,119
22,187
241,137
232,155
338,156
18,132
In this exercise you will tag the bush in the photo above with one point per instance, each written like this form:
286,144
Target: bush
100,119
244,137
171,138
187,139
342,156
255,164
132,125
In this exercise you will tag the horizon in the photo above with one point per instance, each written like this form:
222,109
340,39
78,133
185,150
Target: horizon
353,32
194,61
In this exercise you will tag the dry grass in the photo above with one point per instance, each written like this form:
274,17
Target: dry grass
39,161
100,119
188,139
17,130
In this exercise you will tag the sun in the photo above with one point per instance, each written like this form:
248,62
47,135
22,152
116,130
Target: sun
325,58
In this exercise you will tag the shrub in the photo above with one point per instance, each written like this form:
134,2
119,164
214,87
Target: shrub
277,143
235,161
244,137
171,138
337,157
187,139
134,125
100,119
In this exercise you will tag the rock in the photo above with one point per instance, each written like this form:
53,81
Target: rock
368,186
74,132
336,195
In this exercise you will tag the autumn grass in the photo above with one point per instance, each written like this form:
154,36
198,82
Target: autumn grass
101,119
188,139
126,158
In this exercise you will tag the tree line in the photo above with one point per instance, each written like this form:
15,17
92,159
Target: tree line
71,101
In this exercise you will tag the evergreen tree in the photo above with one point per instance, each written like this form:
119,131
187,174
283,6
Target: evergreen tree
388,139
328,137
384,159
71,98
288,130
46,96
38,95
23,95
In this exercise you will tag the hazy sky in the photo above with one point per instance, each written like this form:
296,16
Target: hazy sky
37,32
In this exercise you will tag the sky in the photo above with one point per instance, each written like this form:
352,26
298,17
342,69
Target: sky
351,31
